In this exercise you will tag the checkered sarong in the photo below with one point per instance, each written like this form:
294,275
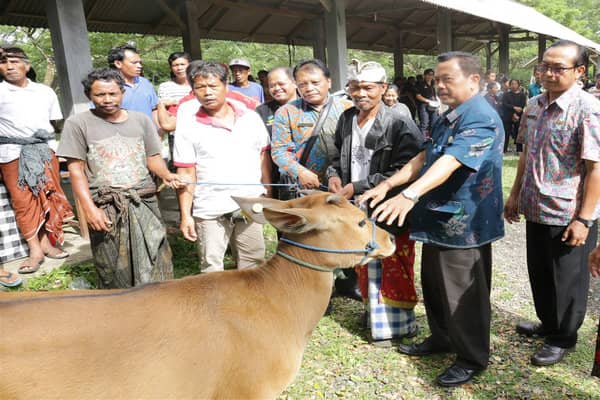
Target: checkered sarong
386,321
12,245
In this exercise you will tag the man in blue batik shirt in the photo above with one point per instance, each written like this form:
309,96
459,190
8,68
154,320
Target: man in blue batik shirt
456,202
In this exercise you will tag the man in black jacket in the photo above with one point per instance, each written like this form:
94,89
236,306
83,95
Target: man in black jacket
373,142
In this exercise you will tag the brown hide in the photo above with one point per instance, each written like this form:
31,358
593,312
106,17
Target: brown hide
223,335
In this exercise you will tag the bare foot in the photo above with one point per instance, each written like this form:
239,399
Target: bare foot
31,265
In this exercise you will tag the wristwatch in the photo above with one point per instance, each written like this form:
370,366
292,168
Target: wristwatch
587,222
410,195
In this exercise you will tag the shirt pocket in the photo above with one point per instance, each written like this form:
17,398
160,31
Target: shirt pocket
449,207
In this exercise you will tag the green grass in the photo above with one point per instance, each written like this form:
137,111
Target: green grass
340,363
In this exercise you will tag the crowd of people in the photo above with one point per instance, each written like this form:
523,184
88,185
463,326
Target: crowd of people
422,156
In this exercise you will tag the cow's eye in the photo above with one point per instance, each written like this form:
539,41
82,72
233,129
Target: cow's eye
362,223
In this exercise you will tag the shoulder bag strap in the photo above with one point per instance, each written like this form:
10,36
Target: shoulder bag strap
316,131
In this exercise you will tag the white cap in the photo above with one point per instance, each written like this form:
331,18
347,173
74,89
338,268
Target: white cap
370,71
239,61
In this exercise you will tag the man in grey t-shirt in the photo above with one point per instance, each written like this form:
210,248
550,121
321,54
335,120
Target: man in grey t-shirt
110,153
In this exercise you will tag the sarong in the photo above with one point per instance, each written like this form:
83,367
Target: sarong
596,368
388,290
48,210
136,250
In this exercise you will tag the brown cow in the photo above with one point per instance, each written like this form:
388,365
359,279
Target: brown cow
234,334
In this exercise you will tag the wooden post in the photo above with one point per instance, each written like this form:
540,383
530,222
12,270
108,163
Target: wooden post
541,47
319,41
503,49
191,35
335,28
398,58
444,30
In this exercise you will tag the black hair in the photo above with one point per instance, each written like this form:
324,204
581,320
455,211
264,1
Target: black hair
516,80
392,86
118,54
174,56
582,57
313,63
468,63
205,69
286,70
16,52
262,71
428,71
491,85
102,74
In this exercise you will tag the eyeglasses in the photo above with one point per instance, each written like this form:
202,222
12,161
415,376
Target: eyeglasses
543,67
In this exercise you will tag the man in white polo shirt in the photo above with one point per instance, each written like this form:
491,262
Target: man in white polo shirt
28,166
221,142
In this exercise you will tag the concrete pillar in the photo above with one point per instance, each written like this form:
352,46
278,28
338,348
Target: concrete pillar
68,29
444,30
335,31
541,46
398,59
191,34
503,49
319,41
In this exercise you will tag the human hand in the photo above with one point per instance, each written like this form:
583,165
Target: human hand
396,207
188,228
575,234
173,180
347,191
98,220
511,209
377,194
308,179
594,262
334,184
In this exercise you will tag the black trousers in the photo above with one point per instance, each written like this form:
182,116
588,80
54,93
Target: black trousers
560,279
456,292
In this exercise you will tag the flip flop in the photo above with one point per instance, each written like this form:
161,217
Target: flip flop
28,267
5,280
59,256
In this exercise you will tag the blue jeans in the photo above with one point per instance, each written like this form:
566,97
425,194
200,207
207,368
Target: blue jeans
425,118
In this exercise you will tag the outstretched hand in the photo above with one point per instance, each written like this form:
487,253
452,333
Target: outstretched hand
396,207
376,195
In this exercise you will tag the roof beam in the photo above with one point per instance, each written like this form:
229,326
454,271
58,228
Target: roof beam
266,10
294,31
170,14
257,26
6,7
90,9
326,5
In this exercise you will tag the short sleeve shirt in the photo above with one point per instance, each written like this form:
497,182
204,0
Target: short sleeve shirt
253,90
559,136
466,210
114,152
24,111
140,97
227,161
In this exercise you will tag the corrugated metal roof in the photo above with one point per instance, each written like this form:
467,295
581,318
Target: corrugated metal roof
516,14
371,25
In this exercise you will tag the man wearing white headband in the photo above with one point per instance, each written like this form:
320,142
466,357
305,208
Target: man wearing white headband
372,143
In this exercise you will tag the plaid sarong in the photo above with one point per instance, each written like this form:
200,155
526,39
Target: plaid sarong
12,244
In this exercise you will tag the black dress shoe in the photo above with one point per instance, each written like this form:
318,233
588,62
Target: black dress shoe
549,355
531,329
424,348
455,376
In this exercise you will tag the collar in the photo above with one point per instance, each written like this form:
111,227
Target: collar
15,88
136,80
453,114
238,110
306,106
564,100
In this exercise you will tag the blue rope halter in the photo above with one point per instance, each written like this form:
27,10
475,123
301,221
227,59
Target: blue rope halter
371,246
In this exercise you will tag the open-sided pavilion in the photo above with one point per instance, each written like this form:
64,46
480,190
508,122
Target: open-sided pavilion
329,26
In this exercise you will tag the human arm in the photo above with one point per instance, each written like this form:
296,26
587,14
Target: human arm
95,217
594,262
185,196
399,206
511,205
334,171
166,120
576,232
265,167
408,173
157,166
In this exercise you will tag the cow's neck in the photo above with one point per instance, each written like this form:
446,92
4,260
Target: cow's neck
305,290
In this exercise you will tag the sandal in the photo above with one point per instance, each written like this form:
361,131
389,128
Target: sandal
30,266
6,277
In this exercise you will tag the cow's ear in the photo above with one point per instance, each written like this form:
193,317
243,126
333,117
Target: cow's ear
253,207
292,220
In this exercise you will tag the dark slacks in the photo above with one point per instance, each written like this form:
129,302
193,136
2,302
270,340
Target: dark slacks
456,292
559,279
